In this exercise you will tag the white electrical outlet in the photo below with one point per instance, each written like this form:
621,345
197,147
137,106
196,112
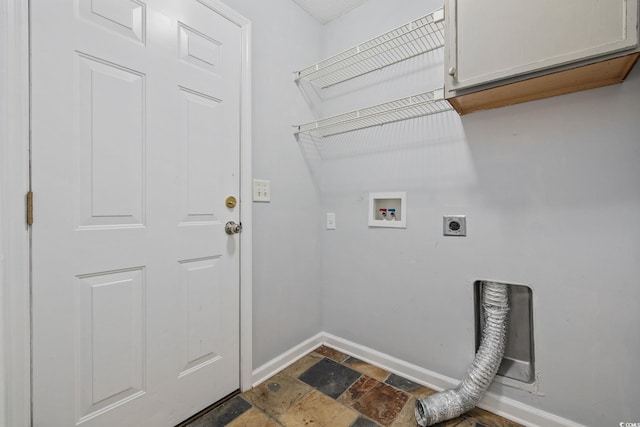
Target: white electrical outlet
261,190
331,221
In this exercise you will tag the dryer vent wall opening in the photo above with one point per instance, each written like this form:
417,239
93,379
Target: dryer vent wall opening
454,402
518,362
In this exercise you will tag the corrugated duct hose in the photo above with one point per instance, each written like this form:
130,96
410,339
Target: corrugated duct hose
455,402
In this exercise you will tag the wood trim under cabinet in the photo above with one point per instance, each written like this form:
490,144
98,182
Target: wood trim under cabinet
576,79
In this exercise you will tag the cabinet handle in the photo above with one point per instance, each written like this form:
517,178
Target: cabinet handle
452,71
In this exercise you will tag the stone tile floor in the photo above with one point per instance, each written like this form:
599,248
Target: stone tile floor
329,388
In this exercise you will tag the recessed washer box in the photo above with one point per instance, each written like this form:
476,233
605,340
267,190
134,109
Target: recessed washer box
388,209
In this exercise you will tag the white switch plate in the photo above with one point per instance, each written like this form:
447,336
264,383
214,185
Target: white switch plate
261,190
331,221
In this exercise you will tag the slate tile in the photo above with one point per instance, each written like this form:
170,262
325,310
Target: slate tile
366,368
223,414
407,416
331,353
357,390
382,404
330,377
299,396
278,394
486,418
421,392
253,418
303,364
402,383
316,409
364,422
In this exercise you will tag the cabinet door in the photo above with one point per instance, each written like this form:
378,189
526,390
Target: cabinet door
490,40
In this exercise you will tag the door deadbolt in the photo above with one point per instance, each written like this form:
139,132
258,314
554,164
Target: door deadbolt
232,228
230,202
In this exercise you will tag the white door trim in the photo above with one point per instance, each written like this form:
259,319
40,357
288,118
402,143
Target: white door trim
14,234
15,309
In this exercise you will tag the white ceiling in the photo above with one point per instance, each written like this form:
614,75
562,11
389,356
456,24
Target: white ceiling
327,10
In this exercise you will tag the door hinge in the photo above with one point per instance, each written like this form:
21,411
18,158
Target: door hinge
30,208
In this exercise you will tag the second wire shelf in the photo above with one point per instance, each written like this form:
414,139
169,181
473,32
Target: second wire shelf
419,105
412,39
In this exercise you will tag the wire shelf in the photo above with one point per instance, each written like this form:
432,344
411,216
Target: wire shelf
423,104
415,38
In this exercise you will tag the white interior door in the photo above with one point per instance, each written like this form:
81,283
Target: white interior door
135,146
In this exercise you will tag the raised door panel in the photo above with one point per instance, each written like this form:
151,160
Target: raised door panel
124,17
493,40
199,49
201,310
111,145
200,121
110,340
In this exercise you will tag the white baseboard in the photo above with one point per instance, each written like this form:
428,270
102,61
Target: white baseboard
500,405
287,358
411,372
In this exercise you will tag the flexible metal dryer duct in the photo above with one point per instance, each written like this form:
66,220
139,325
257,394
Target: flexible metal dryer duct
455,402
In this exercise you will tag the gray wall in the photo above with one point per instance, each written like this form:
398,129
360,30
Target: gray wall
540,183
286,247
551,191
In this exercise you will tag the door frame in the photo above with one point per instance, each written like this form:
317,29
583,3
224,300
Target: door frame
15,276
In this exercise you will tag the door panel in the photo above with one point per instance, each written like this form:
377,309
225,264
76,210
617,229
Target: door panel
202,326
111,123
110,339
126,17
200,117
135,142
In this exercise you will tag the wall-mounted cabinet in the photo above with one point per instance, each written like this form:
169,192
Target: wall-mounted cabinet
502,52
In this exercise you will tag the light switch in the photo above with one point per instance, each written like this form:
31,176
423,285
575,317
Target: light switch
261,190
331,221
